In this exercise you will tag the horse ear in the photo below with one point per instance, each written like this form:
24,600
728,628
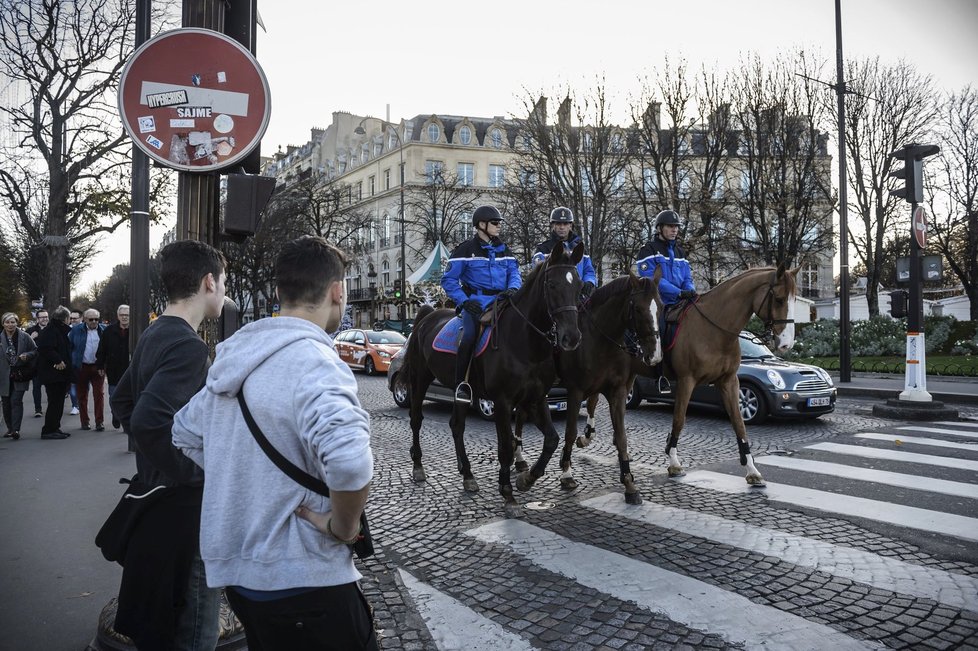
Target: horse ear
657,275
780,268
578,253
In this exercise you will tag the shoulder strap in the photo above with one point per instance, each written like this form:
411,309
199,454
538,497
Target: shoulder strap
298,475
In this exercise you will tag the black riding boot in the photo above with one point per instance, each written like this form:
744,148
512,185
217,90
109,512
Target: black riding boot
463,392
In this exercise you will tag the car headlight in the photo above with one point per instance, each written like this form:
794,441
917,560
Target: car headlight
822,373
383,354
776,379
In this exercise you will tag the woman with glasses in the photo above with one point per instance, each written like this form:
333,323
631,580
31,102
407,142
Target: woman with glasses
19,353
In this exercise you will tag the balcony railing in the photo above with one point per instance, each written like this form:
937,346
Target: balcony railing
359,295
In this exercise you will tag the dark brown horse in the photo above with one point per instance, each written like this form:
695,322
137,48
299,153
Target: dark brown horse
706,349
517,369
602,365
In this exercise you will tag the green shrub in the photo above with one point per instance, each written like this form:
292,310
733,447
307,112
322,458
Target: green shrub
879,336
937,332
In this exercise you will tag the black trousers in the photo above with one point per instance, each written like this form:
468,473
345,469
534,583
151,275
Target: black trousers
56,406
335,618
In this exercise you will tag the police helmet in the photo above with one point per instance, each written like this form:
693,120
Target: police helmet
486,214
667,217
561,215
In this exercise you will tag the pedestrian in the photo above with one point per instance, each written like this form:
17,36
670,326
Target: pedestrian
74,318
54,370
562,230
20,354
112,356
85,338
293,586
164,601
480,271
40,322
664,251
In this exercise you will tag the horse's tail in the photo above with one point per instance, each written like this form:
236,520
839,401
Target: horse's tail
413,348
424,311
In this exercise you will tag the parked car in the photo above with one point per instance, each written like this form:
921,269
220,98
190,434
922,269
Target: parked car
769,386
369,350
438,392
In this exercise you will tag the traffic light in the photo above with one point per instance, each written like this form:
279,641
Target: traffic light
898,303
397,289
912,173
247,197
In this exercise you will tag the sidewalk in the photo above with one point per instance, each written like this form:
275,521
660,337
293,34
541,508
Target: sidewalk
950,390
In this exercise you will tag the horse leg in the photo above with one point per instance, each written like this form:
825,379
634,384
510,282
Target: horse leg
504,449
418,386
592,406
567,480
730,390
616,403
551,439
683,392
518,461
457,423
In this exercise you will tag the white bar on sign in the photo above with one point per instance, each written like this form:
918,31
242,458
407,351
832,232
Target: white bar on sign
916,440
222,101
895,455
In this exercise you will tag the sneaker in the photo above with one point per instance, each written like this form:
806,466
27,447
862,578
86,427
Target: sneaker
74,411
85,427
99,427
54,435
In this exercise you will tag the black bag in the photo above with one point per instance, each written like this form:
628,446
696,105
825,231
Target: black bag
364,545
22,373
113,537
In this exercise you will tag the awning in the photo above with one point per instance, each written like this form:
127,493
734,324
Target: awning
431,269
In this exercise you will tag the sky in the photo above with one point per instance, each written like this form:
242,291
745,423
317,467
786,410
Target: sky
484,59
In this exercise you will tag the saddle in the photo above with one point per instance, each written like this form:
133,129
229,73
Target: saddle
672,318
447,339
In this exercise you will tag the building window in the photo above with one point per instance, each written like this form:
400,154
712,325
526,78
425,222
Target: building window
466,173
650,182
496,138
434,133
359,190
365,152
385,237
497,176
685,184
372,185
465,135
528,178
745,183
387,179
464,227
391,140
588,141
617,143
618,182
378,148
718,186
433,171
385,276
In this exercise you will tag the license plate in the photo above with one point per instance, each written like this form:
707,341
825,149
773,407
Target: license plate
819,402
561,406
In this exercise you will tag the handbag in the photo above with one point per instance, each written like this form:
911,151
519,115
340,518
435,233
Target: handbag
363,547
22,373
137,499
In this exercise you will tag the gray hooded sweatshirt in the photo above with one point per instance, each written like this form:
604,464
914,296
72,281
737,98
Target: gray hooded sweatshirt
304,399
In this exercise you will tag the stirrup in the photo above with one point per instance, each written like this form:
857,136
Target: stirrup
665,386
463,393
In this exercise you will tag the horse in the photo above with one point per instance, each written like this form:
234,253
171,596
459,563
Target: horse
517,369
705,348
602,365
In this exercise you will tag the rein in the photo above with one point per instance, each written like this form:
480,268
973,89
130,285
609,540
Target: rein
769,322
551,335
633,351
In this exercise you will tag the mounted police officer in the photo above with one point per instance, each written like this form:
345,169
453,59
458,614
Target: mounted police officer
663,251
562,230
480,271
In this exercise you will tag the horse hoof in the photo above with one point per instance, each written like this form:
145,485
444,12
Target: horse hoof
755,480
522,466
583,442
676,471
568,483
633,498
513,510
419,475
524,481
470,485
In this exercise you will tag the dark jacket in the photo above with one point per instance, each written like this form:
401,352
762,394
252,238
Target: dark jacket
79,338
113,353
584,268
676,273
480,270
53,347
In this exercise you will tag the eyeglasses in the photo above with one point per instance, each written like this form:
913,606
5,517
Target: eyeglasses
495,223
91,319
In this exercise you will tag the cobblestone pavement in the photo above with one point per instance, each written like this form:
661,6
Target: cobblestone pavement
695,566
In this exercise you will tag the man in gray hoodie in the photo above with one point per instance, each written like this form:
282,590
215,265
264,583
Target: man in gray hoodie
261,533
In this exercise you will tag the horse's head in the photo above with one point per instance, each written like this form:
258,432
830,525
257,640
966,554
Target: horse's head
644,305
777,309
561,291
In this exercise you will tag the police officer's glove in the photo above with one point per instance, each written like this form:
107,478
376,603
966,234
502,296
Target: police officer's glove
687,294
587,289
473,307
506,294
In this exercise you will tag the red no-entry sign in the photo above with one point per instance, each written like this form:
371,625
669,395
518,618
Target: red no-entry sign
194,100
920,226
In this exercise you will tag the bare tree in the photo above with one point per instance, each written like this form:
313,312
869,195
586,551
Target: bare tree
64,177
889,108
442,208
954,200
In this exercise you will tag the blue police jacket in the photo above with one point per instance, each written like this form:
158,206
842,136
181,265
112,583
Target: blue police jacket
78,336
584,268
676,272
480,270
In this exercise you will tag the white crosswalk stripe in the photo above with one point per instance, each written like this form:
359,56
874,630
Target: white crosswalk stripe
939,430
916,440
895,455
958,423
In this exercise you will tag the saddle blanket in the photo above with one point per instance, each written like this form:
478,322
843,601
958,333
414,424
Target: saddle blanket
446,341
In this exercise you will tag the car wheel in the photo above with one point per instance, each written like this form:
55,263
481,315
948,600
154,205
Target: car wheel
753,406
400,393
368,366
634,397
487,409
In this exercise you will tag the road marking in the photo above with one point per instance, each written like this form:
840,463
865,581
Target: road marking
901,480
939,430
682,599
911,517
956,590
914,440
453,625
894,455
960,423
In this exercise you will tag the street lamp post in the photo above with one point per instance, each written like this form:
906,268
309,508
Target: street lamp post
360,131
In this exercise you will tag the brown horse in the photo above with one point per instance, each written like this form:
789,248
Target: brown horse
601,365
517,369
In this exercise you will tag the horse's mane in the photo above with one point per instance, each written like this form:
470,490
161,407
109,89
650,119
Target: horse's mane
529,279
609,290
790,278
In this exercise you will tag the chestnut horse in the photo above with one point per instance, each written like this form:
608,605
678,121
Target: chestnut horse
517,369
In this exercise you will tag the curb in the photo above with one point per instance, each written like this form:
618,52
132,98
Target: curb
879,392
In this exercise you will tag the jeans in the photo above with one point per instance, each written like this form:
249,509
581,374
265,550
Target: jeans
326,619
72,393
13,409
37,395
197,624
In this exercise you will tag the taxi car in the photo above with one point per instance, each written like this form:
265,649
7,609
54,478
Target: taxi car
368,350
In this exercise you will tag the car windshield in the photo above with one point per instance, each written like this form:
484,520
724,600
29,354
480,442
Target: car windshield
750,346
386,338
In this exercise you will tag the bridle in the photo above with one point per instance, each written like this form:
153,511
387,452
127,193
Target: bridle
770,322
632,345
550,335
